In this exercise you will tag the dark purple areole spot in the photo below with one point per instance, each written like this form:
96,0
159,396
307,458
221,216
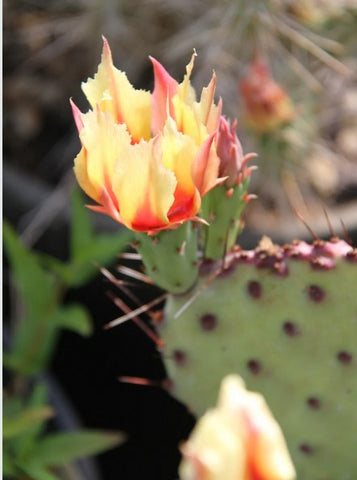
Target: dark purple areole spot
254,289
306,448
316,293
179,357
228,270
206,267
208,321
314,403
254,366
344,357
290,328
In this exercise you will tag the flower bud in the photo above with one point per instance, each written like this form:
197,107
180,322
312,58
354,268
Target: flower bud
238,440
229,151
266,105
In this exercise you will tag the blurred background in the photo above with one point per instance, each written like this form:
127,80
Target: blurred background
286,69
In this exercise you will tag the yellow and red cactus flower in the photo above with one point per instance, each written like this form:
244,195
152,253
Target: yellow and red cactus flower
237,440
266,105
147,158
196,119
233,163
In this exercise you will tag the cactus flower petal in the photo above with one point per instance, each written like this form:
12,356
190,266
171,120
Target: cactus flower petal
205,167
112,91
165,87
238,440
154,187
147,158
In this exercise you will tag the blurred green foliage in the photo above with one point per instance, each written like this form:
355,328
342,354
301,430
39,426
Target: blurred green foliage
41,282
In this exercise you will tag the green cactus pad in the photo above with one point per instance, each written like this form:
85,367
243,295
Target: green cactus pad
223,212
170,257
285,319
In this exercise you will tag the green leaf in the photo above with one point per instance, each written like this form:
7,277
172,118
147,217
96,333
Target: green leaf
74,317
35,286
28,418
8,469
35,473
87,249
61,448
33,336
25,442
81,226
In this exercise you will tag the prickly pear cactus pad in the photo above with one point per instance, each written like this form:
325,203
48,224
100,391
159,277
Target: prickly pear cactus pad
285,319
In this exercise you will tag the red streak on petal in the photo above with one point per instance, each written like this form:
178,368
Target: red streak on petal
77,114
110,203
184,206
165,88
201,170
146,220
107,60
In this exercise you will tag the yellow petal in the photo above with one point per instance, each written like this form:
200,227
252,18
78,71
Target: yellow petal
197,119
188,121
81,173
186,91
207,99
178,153
104,142
214,451
143,186
205,166
208,111
267,451
112,91
270,455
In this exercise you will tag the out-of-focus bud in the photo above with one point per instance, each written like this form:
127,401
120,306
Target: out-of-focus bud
238,440
266,105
